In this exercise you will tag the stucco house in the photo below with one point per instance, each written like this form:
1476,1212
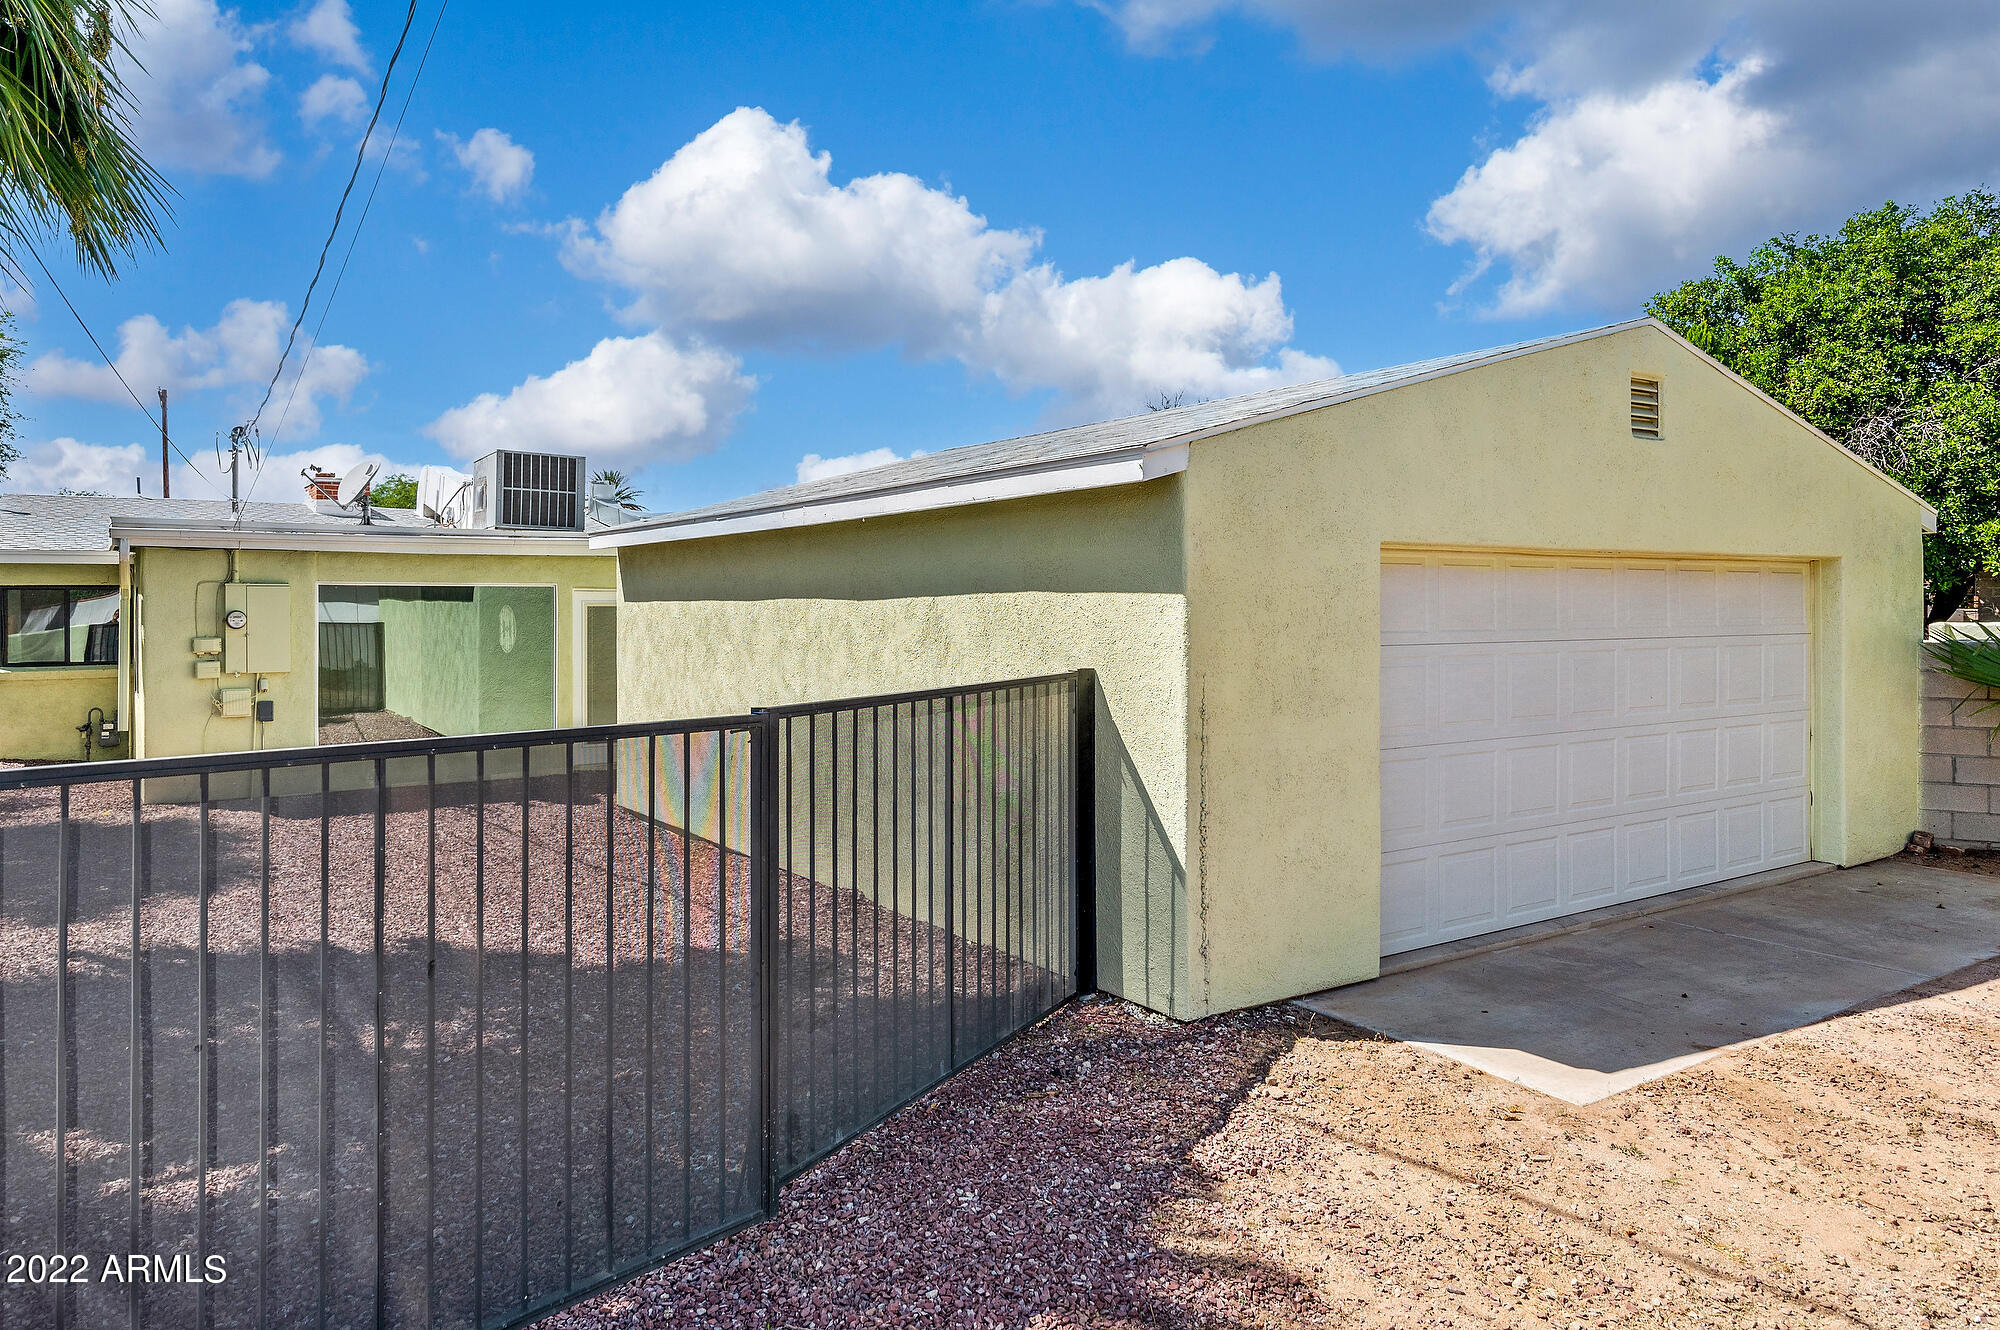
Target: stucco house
166,627
1385,661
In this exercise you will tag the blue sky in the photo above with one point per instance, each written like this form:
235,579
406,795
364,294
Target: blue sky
1026,214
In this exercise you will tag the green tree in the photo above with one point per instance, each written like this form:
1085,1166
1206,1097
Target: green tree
67,159
66,155
398,490
1886,335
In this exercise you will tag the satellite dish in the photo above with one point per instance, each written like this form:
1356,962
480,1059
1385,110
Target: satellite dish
355,483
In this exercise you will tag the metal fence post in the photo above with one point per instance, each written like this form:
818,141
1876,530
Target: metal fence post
950,882
1083,839
764,936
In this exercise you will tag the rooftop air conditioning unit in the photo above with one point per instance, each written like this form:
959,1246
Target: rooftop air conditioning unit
526,492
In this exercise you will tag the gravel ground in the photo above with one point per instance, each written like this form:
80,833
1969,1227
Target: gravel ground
367,726
1273,1168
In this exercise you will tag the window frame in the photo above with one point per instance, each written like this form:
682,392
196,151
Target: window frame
72,592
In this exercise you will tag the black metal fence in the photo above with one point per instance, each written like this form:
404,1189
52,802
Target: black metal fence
449,1032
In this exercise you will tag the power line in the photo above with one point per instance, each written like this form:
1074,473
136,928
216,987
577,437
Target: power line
354,238
360,155
112,364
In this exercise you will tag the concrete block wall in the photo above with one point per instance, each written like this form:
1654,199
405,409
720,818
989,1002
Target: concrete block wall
1961,761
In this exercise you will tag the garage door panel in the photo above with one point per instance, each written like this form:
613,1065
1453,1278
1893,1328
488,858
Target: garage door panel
1468,593
1454,792
1785,674
1459,693
1533,875
1468,888
1698,761
1561,733
1785,744
1743,837
1590,867
1785,828
1697,846
1525,598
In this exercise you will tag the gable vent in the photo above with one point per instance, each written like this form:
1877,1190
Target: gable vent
1645,408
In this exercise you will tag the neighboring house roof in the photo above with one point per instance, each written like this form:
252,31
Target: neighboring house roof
75,528
1081,457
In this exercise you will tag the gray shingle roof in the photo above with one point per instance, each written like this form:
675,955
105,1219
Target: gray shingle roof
69,523
1104,439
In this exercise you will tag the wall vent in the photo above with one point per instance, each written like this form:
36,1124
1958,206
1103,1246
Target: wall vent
1645,408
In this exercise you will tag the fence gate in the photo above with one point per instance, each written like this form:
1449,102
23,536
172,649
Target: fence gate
449,1032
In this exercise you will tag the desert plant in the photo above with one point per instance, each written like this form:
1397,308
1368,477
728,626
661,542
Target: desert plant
1969,654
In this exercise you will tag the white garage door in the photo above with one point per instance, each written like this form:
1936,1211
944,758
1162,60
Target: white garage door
1564,733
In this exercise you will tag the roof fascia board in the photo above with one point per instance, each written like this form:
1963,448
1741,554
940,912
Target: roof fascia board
1160,458
243,538
1128,468
1928,514
58,556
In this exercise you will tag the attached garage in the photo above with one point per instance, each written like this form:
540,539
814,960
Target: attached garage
1385,661
1563,734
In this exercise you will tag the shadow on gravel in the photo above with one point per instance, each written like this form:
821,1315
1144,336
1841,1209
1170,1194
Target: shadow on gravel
1023,1193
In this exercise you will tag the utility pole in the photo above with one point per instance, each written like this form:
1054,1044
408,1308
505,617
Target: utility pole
166,489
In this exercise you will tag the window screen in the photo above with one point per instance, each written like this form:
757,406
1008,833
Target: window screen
61,626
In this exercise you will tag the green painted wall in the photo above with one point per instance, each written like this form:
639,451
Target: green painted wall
40,708
971,595
430,663
178,600
1286,523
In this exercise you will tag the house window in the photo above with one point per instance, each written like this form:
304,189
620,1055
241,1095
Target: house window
404,662
55,625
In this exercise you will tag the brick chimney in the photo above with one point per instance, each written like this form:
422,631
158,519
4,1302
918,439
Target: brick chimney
321,485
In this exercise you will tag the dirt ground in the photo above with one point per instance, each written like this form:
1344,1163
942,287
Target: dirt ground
1276,1169
1959,861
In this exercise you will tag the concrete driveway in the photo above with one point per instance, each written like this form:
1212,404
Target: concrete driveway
1584,1015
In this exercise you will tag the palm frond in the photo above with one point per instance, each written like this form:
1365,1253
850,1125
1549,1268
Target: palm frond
1971,655
67,158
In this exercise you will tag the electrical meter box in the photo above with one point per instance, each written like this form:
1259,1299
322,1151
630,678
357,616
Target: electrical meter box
256,628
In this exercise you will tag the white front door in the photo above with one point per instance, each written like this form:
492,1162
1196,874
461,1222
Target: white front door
1564,733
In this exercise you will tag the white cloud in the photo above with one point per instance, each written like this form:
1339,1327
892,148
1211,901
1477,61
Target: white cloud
333,97
1109,344
742,231
1660,137
66,463
500,167
632,400
239,351
1609,187
814,467
199,98
743,237
328,28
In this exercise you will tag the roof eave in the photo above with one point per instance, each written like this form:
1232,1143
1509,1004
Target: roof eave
103,556
184,535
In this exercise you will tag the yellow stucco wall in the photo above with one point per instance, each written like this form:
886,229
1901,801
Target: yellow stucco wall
971,595
179,601
40,707
1286,523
